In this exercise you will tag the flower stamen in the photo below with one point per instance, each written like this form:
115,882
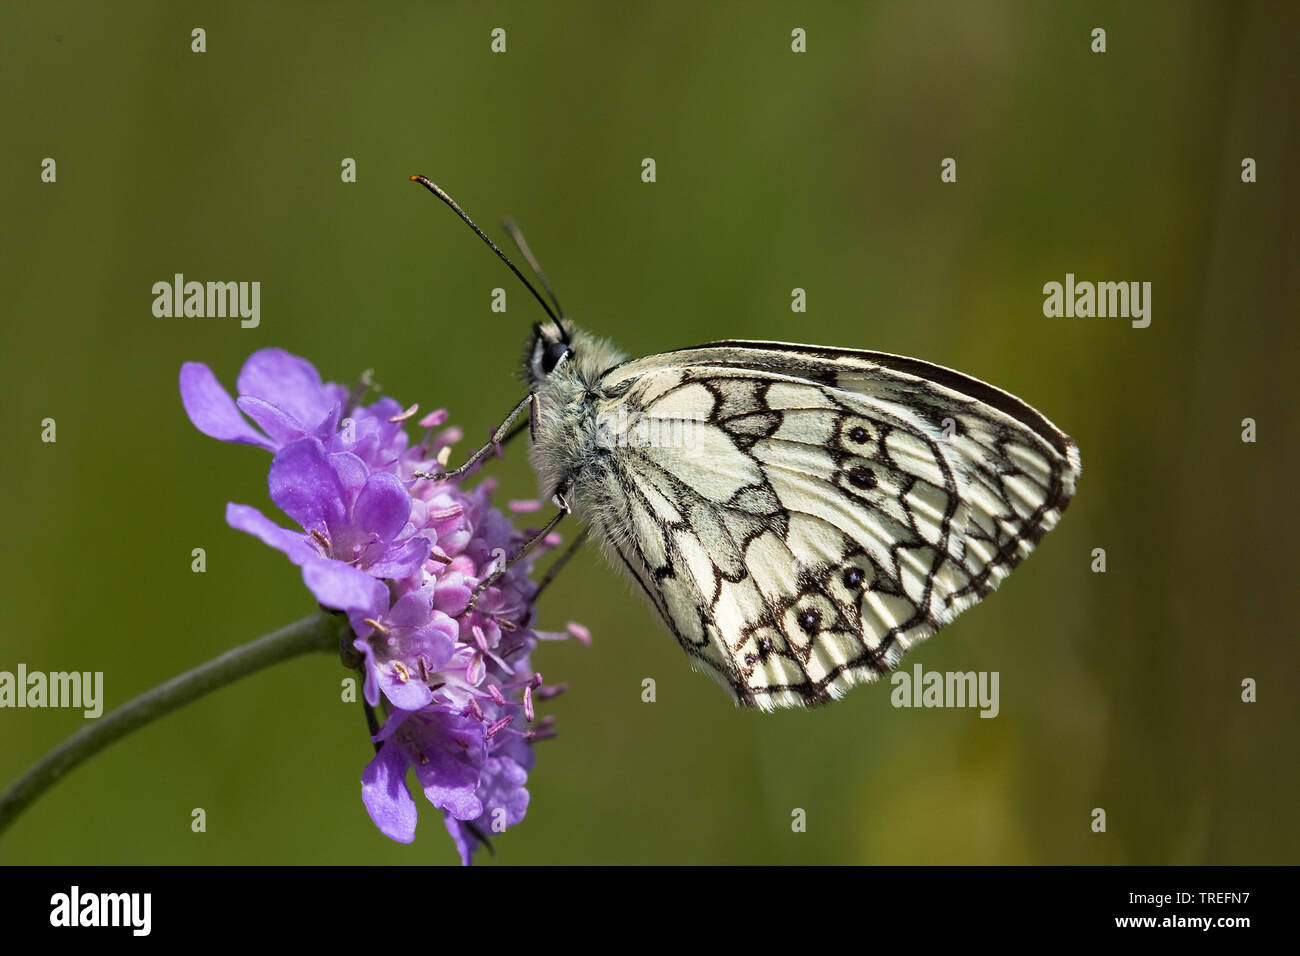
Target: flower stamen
403,416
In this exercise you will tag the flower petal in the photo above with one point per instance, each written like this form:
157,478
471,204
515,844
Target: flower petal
212,410
293,543
452,594
502,788
383,790
291,383
383,506
432,644
352,473
305,487
411,609
275,421
344,588
395,722
370,668
454,751
466,842
409,694
403,560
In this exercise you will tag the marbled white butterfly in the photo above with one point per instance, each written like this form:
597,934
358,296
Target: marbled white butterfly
798,516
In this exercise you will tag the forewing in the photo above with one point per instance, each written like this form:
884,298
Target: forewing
800,516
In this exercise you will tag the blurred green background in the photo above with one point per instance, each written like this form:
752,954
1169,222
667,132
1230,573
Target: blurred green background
775,170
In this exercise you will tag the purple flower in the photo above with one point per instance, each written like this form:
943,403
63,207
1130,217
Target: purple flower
448,752
402,646
402,557
282,393
505,801
284,396
349,515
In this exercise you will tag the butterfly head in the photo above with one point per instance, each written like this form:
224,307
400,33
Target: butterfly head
561,358
550,348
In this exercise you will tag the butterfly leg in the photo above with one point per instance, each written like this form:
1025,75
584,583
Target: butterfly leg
516,432
554,570
527,546
502,431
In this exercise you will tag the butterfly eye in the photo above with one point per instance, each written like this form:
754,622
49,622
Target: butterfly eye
552,352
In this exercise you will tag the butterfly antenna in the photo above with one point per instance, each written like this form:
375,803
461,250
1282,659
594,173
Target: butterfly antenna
521,243
438,191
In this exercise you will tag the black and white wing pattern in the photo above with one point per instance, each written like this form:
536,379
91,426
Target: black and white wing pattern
801,516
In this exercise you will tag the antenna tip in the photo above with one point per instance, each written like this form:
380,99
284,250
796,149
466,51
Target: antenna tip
416,178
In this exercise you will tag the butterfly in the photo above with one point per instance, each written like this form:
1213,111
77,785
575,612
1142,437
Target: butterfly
798,516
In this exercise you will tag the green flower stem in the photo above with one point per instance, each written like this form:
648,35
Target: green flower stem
319,632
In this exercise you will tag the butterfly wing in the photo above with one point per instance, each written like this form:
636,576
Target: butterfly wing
801,516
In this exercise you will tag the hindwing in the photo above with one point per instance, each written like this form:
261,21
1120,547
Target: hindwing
800,517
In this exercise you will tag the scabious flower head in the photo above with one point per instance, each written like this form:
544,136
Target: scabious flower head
402,558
